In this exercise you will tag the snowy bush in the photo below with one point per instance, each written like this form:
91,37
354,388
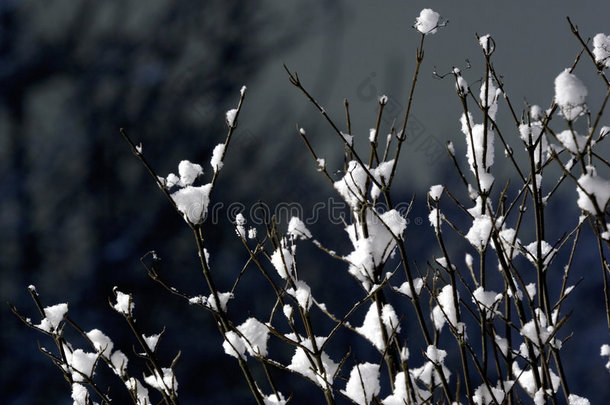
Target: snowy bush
491,297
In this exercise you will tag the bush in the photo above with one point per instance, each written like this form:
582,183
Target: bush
503,310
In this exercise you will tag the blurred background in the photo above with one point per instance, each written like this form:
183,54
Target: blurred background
77,210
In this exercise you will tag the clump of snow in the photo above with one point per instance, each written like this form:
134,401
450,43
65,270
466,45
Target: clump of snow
166,383
484,396
605,352
352,185
597,188
363,383
446,310
348,139
601,50
489,95
570,93
435,217
119,362
538,331
436,191
138,390
428,373
240,225
242,91
234,345
372,135
547,251
382,175
508,243
479,232
302,364
502,344
223,297
188,172
321,164
80,395
527,382
287,310
151,341
230,116
82,363
283,262
252,233
275,399
486,43
371,327
193,202
486,300
302,294
405,288
451,148
124,303
574,399
297,229
101,342
217,155
53,316
461,85
573,142
428,21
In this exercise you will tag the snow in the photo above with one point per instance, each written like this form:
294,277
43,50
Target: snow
436,191
124,304
302,294
234,345
508,242
166,383
487,300
605,352
297,229
477,133
428,373
372,135
301,364
548,253
570,93
287,309
352,186
574,399
427,22
119,362
445,310
101,342
486,44
255,335
383,99
240,227
80,395
371,327
252,233
601,51
382,175
451,148
489,97
400,395
231,117
217,155
502,344
275,399
527,382
595,186
139,391
172,180
532,331
363,383
483,396
283,262
242,91
193,202
348,139
53,316
479,232
151,341
567,139
321,164
223,297
377,247
405,288
435,217
188,172
83,364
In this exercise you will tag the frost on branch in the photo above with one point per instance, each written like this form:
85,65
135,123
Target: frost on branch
363,383
570,93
